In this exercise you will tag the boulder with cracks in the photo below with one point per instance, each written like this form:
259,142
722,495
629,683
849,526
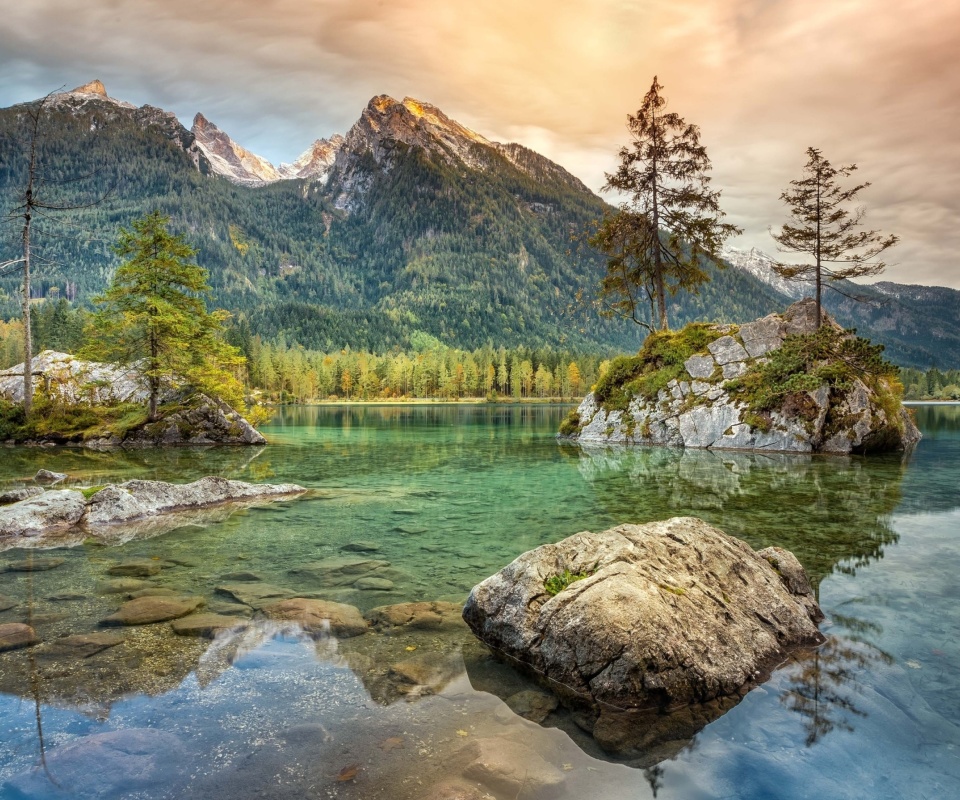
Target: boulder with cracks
660,616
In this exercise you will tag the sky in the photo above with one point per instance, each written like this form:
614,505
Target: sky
870,82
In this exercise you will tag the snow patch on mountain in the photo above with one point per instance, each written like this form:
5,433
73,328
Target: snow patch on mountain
760,266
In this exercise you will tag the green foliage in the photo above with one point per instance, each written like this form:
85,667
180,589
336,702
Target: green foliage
90,491
557,583
659,361
570,424
656,244
67,422
805,362
154,313
823,226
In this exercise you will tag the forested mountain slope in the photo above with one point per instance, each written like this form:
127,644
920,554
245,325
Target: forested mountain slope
408,223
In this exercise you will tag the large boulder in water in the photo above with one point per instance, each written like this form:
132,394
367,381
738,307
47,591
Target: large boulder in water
669,614
779,383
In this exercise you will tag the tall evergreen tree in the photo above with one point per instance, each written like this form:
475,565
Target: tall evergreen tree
670,221
824,229
154,311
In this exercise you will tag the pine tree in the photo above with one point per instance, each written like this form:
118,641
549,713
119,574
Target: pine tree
822,227
154,312
670,222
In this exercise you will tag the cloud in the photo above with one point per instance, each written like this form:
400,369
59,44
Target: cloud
868,81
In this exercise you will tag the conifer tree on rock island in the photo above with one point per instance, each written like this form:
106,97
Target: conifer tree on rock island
671,221
154,312
822,228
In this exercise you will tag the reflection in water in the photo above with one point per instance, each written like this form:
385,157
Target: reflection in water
823,684
448,495
831,512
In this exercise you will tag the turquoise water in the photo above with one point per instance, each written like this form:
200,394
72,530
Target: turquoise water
450,494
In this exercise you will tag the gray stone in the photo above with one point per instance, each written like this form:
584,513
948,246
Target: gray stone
16,495
700,387
374,584
319,616
762,335
858,419
511,768
206,625
14,635
123,586
416,616
57,510
700,366
340,571
734,370
255,595
148,610
138,499
532,705
135,569
361,547
6,603
81,645
674,613
34,564
727,349
245,577
47,478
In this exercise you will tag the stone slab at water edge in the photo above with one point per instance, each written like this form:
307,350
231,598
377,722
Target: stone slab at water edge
653,617
59,511
774,384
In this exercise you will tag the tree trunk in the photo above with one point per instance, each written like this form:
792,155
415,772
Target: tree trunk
27,331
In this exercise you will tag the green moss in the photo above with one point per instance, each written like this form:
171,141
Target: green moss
90,491
659,361
672,589
570,425
557,583
58,421
806,362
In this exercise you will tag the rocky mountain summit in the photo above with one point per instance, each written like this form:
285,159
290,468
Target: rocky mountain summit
630,623
776,384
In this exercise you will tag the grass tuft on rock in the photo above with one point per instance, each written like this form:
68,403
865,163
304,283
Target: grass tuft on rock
807,361
557,583
659,361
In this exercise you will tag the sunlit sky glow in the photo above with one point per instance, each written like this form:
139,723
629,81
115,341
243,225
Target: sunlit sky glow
868,81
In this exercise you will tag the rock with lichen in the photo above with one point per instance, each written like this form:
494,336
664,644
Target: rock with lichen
776,384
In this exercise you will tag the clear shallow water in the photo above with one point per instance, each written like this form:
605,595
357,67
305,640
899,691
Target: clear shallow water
451,494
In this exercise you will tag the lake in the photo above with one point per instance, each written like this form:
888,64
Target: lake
444,496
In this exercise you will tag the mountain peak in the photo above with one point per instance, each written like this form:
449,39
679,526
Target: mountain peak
94,87
228,158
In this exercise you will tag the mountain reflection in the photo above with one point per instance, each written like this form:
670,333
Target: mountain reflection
831,512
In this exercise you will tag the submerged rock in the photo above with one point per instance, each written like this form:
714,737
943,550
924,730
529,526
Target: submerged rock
416,616
665,614
703,407
511,768
114,764
80,645
150,609
319,616
14,635
206,625
6,603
